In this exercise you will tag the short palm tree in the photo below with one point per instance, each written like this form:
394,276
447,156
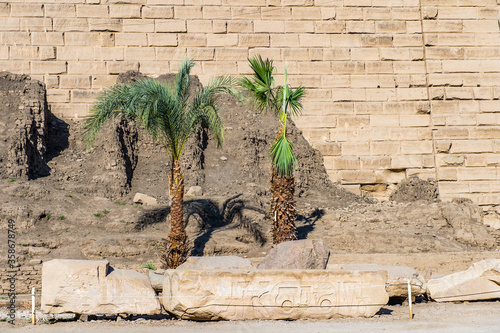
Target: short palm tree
282,101
170,116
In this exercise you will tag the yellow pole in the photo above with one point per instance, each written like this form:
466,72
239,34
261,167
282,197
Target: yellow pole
409,300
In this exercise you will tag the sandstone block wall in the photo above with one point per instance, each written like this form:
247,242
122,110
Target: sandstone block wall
395,87
27,275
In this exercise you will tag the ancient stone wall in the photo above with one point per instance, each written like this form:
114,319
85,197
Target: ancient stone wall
26,275
395,87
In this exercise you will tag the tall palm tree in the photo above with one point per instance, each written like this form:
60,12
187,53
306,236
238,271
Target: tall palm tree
282,101
170,116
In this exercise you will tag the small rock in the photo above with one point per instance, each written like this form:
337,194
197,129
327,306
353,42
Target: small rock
223,158
145,199
194,191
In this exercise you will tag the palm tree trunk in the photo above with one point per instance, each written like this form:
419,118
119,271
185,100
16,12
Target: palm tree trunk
282,207
176,247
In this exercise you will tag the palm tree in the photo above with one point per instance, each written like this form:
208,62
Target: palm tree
170,116
282,101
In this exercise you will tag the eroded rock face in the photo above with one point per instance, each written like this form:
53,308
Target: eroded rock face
397,278
480,282
93,287
272,294
300,254
23,126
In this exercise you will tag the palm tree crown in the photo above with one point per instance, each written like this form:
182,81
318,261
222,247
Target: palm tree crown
171,116
280,100
166,112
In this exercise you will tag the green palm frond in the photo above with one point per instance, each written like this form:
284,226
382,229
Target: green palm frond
282,156
292,105
261,84
295,101
205,107
152,104
282,100
183,80
107,107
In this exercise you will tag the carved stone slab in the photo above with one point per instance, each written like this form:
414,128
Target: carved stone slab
92,287
273,294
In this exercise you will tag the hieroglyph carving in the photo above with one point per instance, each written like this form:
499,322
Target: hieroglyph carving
273,294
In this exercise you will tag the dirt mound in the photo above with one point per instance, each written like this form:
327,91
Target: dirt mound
414,188
23,128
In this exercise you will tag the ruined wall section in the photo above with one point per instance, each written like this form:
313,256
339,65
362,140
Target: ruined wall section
395,87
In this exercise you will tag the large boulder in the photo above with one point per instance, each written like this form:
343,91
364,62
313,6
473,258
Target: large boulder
481,281
93,287
272,294
397,278
217,262
299,254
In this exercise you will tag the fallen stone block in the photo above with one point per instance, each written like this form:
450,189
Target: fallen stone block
145,199
93,287
194,191
397,278
299,254
272,294
216,262
481,281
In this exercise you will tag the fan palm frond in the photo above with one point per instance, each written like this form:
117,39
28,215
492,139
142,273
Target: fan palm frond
282,156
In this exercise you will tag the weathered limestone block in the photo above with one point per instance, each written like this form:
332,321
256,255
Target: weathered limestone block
216,262
145,199
93,287
397,278
272,294
156,279
299,254
479,282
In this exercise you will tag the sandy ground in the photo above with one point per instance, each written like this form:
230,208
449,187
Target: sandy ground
428,317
